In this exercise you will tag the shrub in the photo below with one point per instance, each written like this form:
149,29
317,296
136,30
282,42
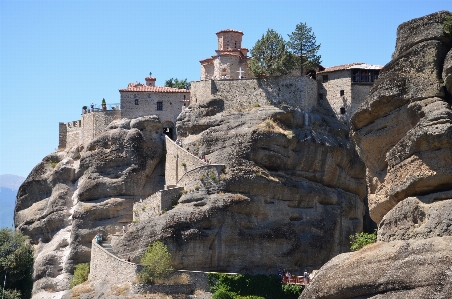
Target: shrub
291,291
359,240
223,294
184,164
80,275
447,25
157,263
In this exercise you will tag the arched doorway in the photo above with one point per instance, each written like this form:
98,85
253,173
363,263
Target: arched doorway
168,129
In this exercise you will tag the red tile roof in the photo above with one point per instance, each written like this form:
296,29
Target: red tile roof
355,65
150,79
158,89
229,30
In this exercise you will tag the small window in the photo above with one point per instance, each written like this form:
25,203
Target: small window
320,96
136,102
325,78
159,105
342,110
184,97
341,93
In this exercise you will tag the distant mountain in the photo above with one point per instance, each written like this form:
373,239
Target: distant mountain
11,181
9,184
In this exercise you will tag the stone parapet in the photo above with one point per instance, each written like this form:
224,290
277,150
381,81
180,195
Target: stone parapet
294,91
156,203
167,289
178,162
109,268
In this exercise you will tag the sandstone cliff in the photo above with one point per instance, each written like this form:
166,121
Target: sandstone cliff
403,133
289,197
71,196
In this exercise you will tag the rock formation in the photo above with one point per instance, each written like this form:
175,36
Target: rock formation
403,133
71,196
289,197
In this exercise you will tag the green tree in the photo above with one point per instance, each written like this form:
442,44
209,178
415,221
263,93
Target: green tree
16,264
176,83
303,45
447,25
270,56
80,275
157,263
359,240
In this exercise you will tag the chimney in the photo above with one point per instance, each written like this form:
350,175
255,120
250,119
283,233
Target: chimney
150,81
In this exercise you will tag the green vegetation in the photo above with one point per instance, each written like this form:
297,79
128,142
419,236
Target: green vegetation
80,275
270,56
184,164
359,240
104,102
447,25
53,164
225,286
303,45
16,264
175,83
157,263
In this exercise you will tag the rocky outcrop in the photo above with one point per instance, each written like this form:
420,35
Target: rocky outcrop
71,196
403,133
290,194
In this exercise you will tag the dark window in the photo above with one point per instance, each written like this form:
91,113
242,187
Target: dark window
320,96
365,76
342,93
159,105
184,97
325,78
136,102
342,110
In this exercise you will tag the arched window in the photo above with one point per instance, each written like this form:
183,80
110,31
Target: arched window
136,101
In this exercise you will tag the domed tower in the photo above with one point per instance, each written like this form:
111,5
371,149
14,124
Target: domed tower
231,61
229,39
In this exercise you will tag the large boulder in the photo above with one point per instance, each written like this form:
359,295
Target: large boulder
403,133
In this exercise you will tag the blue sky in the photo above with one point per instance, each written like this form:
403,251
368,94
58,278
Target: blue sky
56,56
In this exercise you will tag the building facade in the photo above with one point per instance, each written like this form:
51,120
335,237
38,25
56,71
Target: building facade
231,59
344,87
147,99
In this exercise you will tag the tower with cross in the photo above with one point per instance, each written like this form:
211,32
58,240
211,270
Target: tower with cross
231,59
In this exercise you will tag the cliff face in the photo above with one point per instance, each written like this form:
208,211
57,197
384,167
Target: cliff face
289,197
71,196
403,133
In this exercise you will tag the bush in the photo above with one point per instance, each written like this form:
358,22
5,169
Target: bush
80,275
291,291
223,294
248,286
359,240
16,264
157,263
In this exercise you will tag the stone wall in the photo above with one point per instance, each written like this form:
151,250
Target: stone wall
203,177
156,203
107,267
172,105
167,289
95,123
298,92
178,162
83,131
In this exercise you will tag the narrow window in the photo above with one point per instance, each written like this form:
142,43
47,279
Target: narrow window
342,93
184,97
159,105
136,102
320,96
325,78
342,110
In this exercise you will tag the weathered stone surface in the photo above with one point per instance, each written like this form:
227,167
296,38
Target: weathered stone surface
398,269
290,194
403,131
72,195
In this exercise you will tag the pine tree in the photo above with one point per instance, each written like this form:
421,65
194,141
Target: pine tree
303,44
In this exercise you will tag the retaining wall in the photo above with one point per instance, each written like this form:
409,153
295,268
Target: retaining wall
295,91
178,162
155,204
205,176
107,267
